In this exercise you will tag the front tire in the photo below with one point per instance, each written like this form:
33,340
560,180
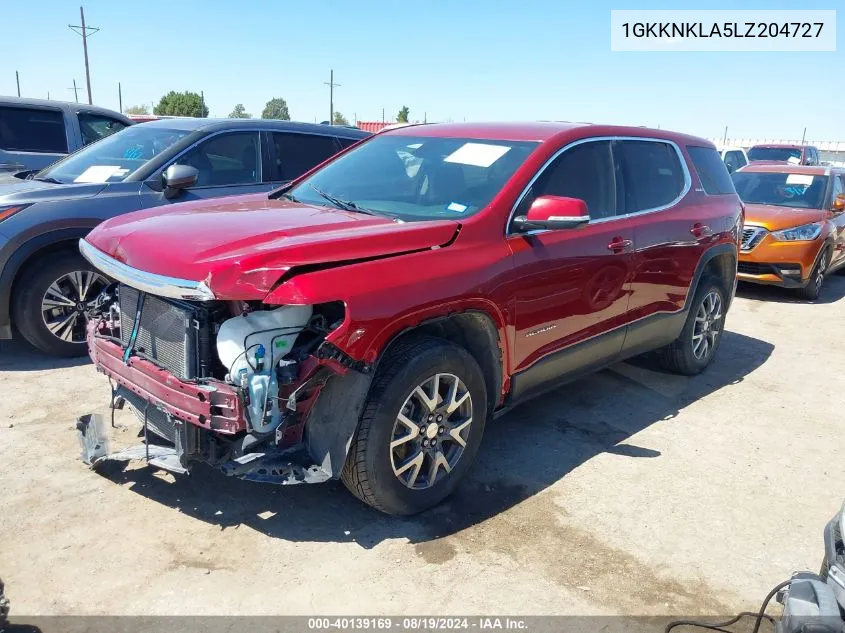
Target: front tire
811,291
421,427
694,349
51,301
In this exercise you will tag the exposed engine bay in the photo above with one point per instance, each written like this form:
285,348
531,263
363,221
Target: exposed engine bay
229,383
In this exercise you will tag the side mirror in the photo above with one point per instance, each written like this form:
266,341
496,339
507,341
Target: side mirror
838,205
178,177
553,212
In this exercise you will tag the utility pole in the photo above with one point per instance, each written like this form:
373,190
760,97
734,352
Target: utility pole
382,116
119,97
202,102
75,91
804,136
725,138
332,85
18,81
85,31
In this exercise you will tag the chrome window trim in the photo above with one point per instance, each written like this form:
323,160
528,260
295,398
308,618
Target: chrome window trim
159,285
596,139
193,145
156,177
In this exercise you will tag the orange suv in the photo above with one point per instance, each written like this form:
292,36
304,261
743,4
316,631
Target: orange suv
794,232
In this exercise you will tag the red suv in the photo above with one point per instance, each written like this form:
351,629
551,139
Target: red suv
366,321
784,153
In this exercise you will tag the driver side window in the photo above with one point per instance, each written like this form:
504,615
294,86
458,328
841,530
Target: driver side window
585,171
226,159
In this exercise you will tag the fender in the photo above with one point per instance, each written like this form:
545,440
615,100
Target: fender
709,254
16,260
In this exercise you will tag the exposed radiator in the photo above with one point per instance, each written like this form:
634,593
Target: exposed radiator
175,335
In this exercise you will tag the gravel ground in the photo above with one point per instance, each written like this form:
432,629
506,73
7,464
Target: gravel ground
629,492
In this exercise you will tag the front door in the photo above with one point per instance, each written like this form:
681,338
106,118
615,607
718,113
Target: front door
570,288
229,164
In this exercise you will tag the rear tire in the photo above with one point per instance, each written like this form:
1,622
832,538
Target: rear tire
695,347
392,464
68,283
811,291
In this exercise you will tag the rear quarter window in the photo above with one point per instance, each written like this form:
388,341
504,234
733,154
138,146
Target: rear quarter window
711,171
32,130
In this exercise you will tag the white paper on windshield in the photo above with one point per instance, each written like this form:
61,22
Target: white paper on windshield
478,154
97,173
799,179
793,160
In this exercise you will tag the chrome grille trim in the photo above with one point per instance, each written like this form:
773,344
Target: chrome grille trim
751,236
171,287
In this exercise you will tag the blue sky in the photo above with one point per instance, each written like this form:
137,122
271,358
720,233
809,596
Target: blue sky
450,60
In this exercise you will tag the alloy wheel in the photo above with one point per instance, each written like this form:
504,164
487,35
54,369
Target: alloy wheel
707,325
431,430
820,269
66,302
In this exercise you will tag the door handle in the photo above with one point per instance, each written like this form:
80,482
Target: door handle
700,230
618,245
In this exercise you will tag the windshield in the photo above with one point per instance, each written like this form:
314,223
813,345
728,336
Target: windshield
784,190
782,154
416,177
115,157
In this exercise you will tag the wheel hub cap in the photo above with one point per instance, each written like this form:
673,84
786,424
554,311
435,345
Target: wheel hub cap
431,431
64,304
708,320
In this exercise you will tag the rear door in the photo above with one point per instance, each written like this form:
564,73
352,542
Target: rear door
571,286
672,226
292,153
31,137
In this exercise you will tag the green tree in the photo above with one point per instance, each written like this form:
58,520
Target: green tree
239,112
137,109
339,119
402,117
276,108
181,104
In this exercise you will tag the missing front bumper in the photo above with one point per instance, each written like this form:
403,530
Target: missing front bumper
270,466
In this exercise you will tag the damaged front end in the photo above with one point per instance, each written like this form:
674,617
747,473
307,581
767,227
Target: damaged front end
251,389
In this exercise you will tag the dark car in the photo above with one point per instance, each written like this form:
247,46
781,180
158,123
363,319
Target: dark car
35,133
46,286
365,322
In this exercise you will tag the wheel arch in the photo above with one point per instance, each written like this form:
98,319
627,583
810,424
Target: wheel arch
25,256
720,261
474,330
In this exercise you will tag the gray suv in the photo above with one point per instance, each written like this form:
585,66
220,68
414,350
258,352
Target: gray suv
35,132
46,287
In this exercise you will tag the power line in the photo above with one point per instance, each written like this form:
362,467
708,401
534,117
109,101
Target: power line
332,85
85,31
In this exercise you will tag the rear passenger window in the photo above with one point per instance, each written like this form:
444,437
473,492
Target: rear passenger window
585,171
32,130
94,126
711,171
297,153
653,173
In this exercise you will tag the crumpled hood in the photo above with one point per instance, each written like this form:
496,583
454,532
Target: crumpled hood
775,218
240,246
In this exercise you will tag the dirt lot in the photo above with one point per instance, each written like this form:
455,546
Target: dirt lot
630,492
